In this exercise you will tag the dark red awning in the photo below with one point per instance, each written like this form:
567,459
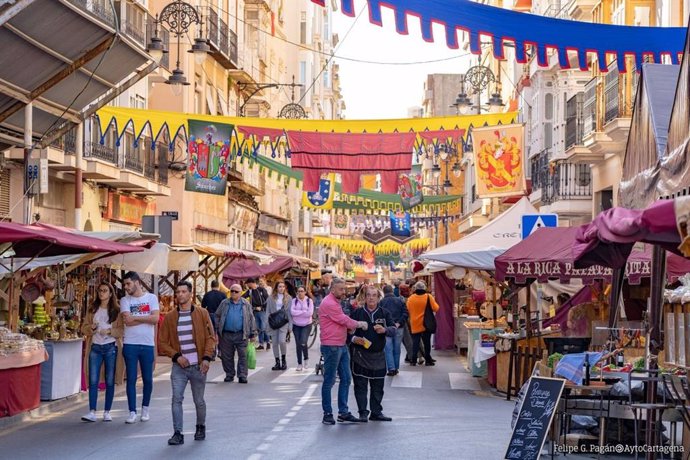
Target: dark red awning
548,254
38,241
241,269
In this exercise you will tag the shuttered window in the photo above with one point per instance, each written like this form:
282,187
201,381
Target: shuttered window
4,194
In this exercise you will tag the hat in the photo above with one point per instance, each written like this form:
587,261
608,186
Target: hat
420,286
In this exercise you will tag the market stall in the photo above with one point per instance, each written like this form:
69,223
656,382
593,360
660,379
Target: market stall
46,300
20,372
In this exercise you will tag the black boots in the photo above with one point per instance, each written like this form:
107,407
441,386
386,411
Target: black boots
284,366
277,367
200,434
176,440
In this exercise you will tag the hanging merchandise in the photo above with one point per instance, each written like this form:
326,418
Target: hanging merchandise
369,260
208,151
323,198
400,223
522,30
352,155
498,165
410,190
351,246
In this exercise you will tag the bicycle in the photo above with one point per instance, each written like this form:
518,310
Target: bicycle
314,330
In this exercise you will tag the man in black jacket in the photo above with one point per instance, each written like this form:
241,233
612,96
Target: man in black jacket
398,310
368,356
212,299
258,298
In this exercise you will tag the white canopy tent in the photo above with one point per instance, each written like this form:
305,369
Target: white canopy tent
478,250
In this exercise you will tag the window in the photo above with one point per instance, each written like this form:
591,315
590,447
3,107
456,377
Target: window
4,193
303,28
326,79
302,78
548,135
548,106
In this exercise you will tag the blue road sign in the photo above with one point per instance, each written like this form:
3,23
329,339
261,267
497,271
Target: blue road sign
531,222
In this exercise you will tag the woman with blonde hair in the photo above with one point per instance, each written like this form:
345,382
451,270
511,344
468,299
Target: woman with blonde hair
279,322
103,329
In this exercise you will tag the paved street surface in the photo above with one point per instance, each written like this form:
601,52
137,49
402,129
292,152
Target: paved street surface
438,412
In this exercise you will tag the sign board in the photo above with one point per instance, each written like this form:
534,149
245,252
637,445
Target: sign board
37,175
531,222
174,214
534,418
161,225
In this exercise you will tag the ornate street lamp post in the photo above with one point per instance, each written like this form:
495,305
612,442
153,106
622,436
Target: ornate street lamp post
178,16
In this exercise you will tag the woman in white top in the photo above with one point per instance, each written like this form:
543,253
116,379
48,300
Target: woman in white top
278,310
103,329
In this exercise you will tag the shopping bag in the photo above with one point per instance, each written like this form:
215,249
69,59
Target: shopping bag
251,355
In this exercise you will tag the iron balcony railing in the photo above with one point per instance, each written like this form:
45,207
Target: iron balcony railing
589,108
539,170
567,181
222,40
162,152
67,143
100,151
102,9
133,162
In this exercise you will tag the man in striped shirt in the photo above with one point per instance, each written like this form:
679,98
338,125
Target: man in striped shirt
187,337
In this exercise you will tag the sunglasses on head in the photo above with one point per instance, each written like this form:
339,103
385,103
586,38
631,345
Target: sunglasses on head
235,292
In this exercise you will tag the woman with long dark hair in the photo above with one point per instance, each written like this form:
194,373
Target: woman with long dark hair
103,329
302,312
277,301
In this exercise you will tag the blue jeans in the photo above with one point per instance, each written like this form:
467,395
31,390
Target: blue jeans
392,349
261,322
144,356
99,355
179,378
336,359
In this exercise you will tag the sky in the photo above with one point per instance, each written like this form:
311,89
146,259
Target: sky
374,91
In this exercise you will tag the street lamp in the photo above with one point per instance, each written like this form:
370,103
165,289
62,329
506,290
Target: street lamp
178,16
478,78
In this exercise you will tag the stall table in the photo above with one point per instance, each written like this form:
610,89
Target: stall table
20,381
61,373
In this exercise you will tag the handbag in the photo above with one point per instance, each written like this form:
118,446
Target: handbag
429,318
278,319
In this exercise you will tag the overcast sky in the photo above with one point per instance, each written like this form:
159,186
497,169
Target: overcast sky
387,91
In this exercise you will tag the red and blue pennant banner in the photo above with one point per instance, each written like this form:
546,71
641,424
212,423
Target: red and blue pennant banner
522,30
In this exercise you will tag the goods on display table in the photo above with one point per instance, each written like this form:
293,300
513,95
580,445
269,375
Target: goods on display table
20,371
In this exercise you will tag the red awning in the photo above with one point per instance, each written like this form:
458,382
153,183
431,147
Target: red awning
548,254
37,241
241,269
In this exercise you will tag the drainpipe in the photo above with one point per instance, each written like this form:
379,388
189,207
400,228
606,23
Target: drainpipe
28,131
79,154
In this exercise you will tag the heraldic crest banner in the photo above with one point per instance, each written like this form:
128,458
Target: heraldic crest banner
499,160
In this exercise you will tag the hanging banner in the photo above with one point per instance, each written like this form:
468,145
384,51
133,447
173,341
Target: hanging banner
323,198
369,260
208,150
410,190
498,160
400,223
340,224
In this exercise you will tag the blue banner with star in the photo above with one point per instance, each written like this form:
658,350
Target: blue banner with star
400,223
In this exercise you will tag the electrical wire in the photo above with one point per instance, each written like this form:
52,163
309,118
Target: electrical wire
345,58
59,119
330,58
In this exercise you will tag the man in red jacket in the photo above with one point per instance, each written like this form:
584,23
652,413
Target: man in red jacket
334,325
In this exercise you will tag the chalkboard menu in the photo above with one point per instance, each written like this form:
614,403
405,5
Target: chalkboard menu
534,419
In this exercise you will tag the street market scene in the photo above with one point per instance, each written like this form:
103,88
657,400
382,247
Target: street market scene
258,229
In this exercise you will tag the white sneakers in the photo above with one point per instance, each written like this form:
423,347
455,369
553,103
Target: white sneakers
132,418
90,417
306,365
107,417
299,368
145,417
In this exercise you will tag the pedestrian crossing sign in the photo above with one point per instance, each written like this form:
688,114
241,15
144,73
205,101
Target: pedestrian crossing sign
531,222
